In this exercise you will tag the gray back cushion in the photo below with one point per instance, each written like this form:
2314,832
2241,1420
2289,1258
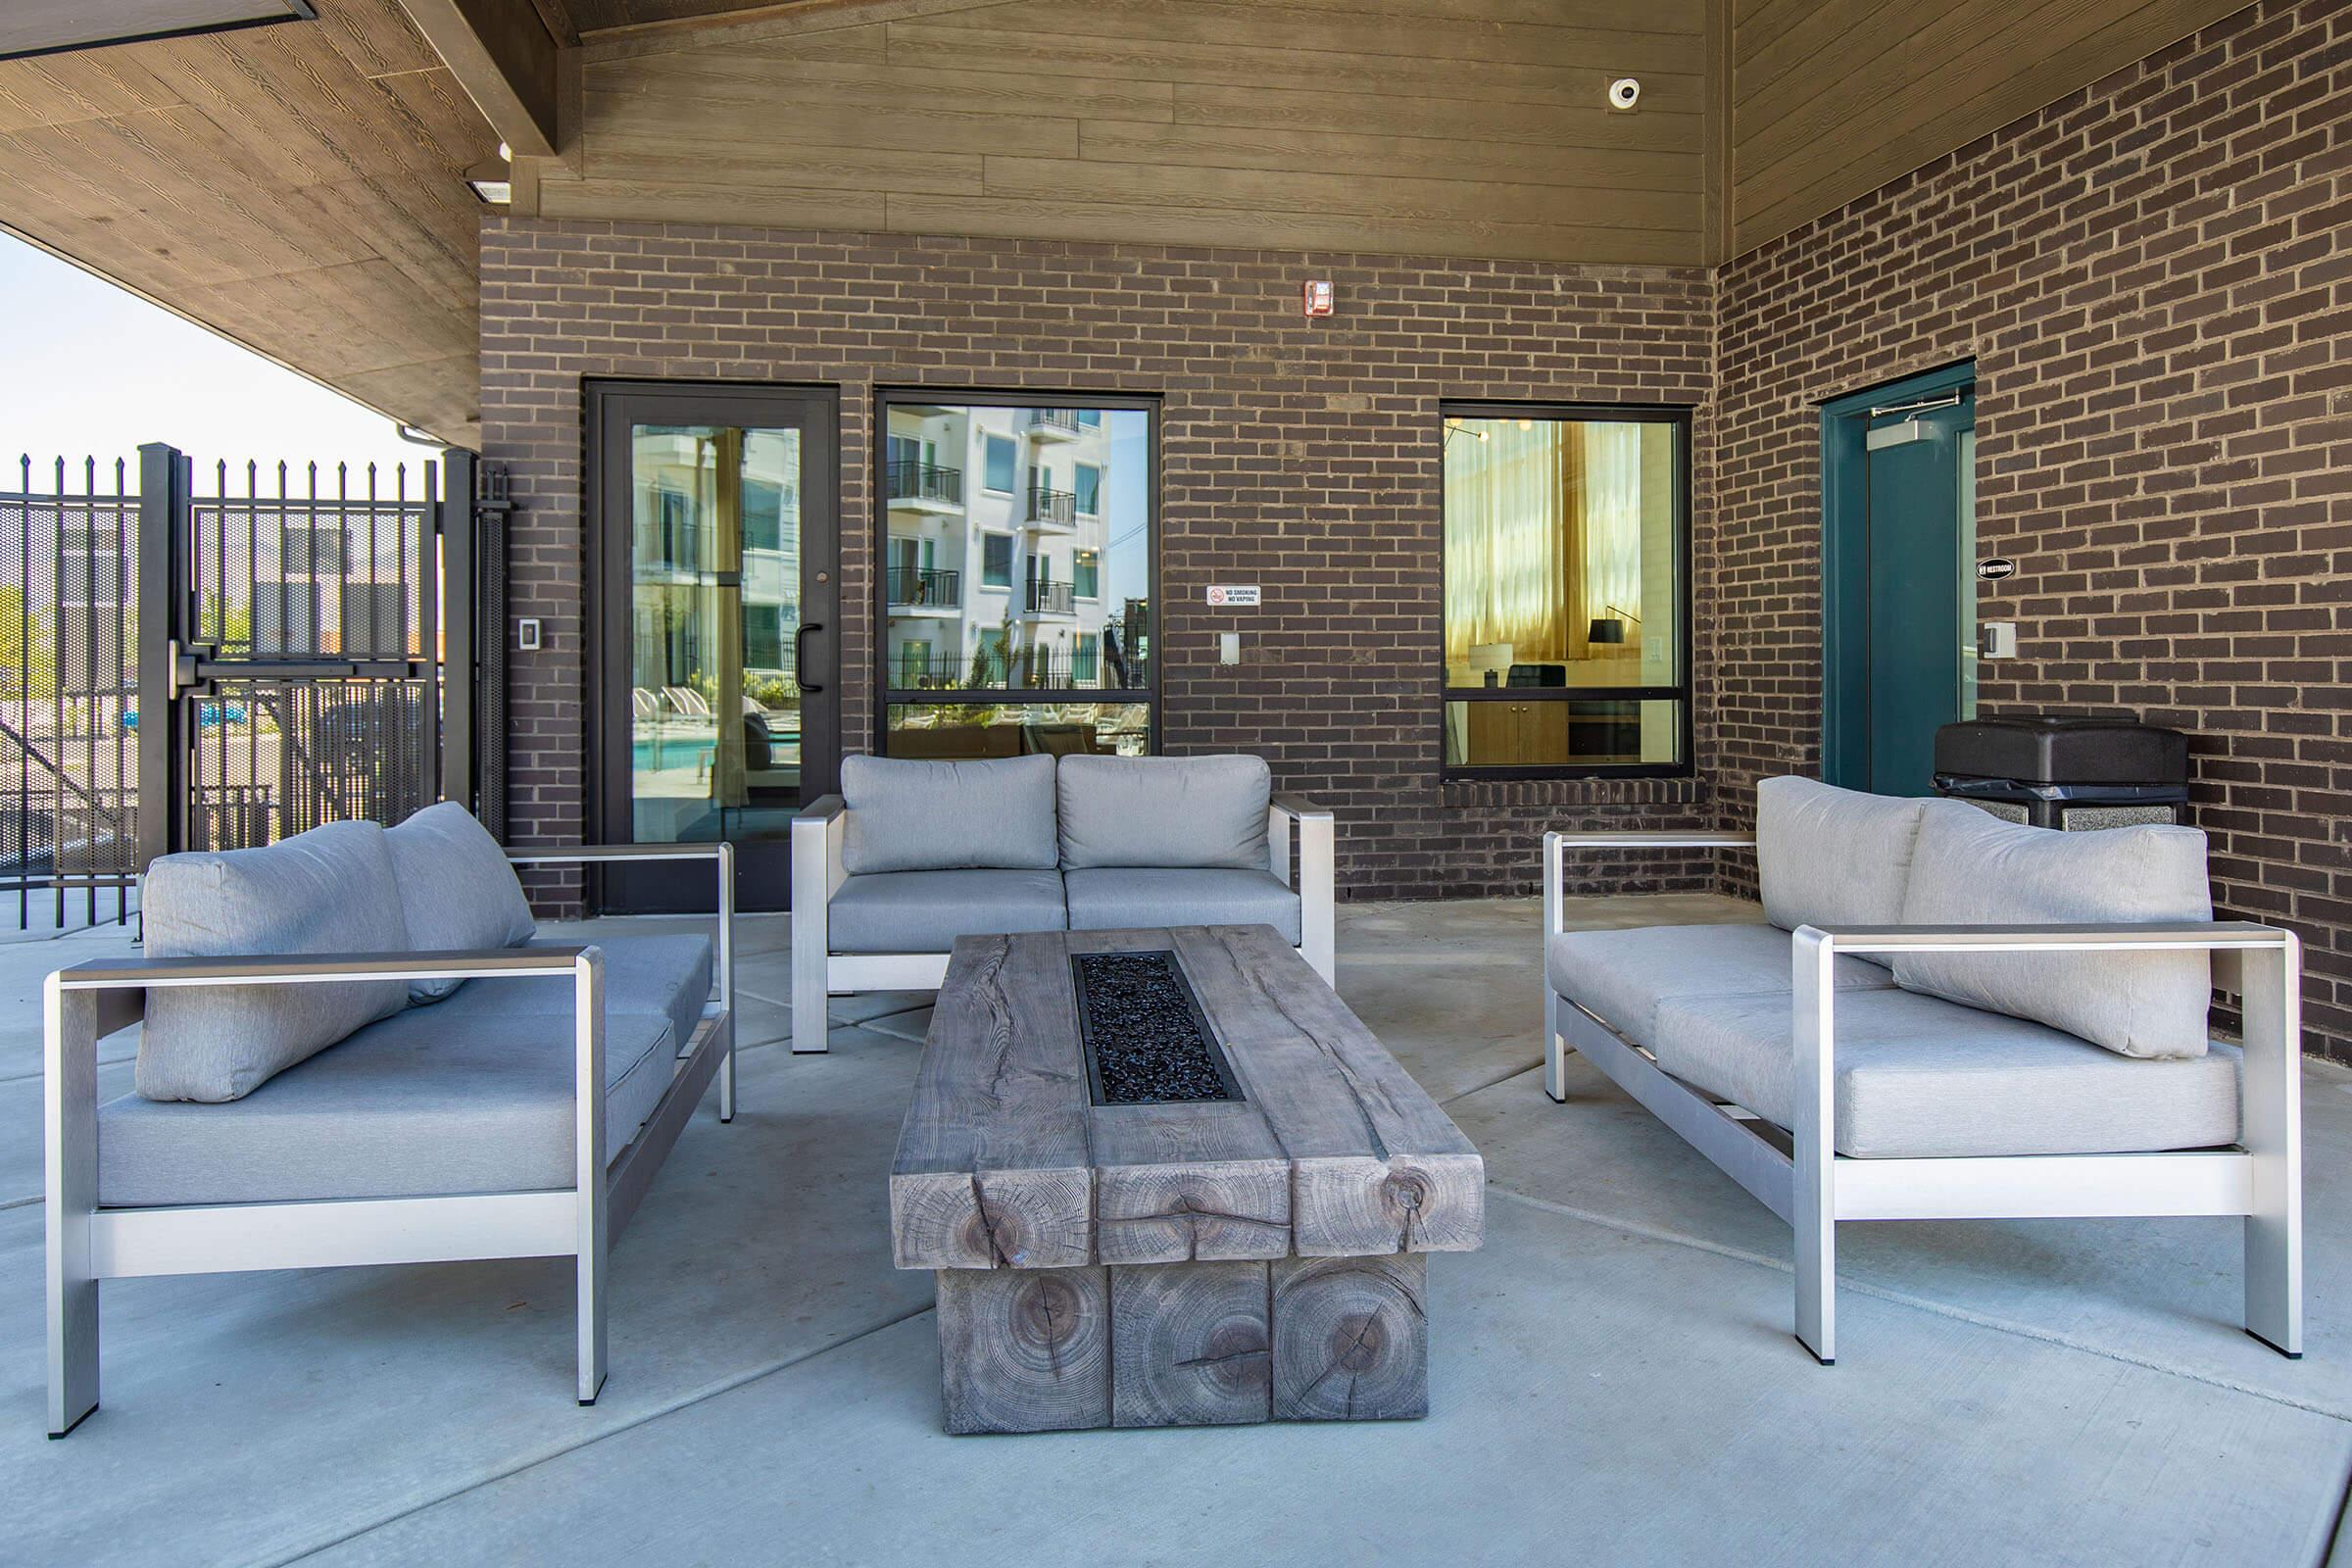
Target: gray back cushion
1831,857
457,889
1975,869
909,815
1164,812
330,890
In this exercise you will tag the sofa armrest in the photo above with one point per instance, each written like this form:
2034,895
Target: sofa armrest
718,851
1558,842
1316,882
2262,963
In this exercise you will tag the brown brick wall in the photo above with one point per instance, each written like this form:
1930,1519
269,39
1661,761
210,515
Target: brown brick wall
2154,281
1301,455
2151,275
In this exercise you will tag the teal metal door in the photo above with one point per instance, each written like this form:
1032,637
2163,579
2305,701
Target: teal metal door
1919,652
1899,590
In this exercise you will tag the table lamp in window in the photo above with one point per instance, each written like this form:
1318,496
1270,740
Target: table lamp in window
1490,660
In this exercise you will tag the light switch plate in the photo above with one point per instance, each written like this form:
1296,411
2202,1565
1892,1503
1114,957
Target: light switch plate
527,634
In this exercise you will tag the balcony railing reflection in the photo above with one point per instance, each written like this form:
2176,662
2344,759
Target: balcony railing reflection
923,481
909,586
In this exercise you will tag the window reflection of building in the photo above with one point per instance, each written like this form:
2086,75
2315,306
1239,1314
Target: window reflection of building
1000,575
715,701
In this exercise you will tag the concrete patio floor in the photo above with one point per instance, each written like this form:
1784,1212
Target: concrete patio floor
1612,1378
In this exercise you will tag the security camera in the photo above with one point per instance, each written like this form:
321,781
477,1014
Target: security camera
1624,93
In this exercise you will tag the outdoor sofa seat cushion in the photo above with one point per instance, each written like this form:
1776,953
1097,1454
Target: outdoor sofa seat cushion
1206,812
457,890
666,976
431,1101
1621,977
925,911
1113,900
910,815
1972,868
329,890
1829,856
1918,1077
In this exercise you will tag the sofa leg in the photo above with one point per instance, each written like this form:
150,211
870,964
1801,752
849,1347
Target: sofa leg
73,1351
726,1084
2272,1107
70,1190
807,1015
591,1326
1555,1048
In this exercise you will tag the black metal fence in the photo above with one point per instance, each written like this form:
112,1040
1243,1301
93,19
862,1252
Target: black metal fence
295,657
68,686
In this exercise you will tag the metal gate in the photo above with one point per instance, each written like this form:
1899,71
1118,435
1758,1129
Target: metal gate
298,648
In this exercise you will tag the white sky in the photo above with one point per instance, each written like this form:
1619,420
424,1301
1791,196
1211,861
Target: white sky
89,370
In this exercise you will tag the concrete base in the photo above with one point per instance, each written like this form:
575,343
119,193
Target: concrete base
1615,1382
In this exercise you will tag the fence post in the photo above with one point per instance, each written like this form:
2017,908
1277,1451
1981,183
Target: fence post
164,520
459,622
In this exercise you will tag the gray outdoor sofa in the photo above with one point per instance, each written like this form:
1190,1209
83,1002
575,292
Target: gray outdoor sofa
354,1050
1949,1016
913,854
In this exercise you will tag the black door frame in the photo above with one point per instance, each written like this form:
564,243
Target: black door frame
764,867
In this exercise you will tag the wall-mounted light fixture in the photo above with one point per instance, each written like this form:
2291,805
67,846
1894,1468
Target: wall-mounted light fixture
493,179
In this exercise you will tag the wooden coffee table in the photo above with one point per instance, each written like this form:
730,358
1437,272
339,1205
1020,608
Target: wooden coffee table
1198,1262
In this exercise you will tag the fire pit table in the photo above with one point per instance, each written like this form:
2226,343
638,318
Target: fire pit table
1167,1178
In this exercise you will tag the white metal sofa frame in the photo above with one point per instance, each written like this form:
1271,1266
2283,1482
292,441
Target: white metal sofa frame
87,1244
816,875
1801,1178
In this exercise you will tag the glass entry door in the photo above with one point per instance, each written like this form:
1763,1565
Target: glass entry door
715,553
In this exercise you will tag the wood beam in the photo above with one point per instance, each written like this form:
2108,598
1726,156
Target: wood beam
507,62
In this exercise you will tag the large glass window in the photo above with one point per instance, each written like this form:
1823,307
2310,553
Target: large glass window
1033,625
1565,549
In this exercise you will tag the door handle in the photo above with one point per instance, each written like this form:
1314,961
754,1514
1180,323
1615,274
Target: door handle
799,654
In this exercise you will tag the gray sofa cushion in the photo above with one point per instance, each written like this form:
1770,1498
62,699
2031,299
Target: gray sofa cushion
1620,976
457,889
925,911
329,890
1166,811
428,1102
1974,869
664,976
1922,1078
1112,899
909,815
1831,857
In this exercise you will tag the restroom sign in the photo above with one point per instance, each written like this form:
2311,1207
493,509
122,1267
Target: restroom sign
1234,596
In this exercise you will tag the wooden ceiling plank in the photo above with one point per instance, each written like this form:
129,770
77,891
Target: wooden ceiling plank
1117,221
894,131
62,89
763,164
759,77
1432,157
668,198
1672,81
1280,109
376,36
1304,33
828,23
1346,193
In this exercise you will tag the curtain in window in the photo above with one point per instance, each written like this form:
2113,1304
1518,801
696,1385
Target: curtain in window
1542,534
